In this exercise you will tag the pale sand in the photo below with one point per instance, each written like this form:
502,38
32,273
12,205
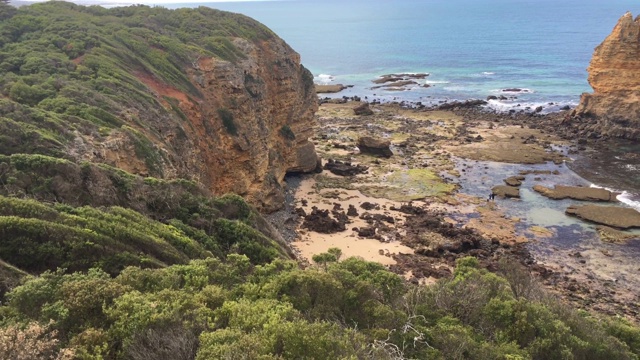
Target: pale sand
311,243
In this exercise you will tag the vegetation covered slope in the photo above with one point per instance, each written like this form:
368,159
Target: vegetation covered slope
198,93
70,93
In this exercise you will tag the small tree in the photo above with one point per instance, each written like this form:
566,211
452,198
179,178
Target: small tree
324,258
337,252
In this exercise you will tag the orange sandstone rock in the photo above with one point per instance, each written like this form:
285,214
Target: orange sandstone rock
614,75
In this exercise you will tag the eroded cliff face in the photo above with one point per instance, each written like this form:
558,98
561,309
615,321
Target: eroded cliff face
271,100
614,74
249,127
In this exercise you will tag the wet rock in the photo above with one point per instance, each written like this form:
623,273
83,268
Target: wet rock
610,235
614,216
514,180
506,191
539,172
344,168
461,104
398,77
329,89
575,192
374,146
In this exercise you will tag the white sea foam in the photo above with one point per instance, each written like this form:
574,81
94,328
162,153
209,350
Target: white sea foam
456,88
433,82
625,197
517,105
488,73
324,79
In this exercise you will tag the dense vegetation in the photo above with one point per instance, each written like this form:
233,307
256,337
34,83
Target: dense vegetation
352,309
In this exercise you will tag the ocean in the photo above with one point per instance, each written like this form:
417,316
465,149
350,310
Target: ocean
469,48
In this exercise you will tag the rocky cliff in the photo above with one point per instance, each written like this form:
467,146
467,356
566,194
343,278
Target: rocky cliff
249,127
614,73
199,94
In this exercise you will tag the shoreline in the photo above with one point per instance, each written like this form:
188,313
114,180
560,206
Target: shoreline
581,274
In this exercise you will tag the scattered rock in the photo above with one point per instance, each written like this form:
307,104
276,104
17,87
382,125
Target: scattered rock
371,218
369,206
367,232
409,209
352,211
461,104
375,146
363,109
322,222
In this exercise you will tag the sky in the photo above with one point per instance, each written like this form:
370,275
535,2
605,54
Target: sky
141,1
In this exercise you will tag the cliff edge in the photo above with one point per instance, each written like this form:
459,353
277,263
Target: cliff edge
614,75
196,94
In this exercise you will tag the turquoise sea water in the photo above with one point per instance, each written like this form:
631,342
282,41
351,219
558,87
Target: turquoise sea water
470,48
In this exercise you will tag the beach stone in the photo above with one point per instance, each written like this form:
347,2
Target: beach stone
375,146
560,192
363,109
344,168
506,191
614,216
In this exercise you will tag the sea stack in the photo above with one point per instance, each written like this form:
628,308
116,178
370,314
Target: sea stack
614,75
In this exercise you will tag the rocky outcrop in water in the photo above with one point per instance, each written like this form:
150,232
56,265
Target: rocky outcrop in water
614,216
614,74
